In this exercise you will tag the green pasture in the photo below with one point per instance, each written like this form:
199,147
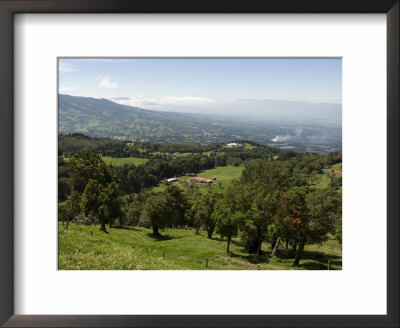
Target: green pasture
120,161
224,176
134,248
248,146
322,180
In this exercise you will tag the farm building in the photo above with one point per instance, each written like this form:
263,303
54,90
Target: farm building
232,145
170,180
201,180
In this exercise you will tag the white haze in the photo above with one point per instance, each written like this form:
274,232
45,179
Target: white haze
265,110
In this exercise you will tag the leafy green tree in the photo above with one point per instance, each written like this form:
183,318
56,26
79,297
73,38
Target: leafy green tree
69,209
227,218
178,205
84,166
91,201
259,217
62,213
338,230
102,202
259,190
286,228
133,212
156,211
204,209
110,203
335,181
195,220
314,212
64,188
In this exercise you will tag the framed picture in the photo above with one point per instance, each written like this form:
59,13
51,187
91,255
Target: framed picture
226,118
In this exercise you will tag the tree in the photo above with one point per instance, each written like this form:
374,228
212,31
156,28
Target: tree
178,205
90,201
69,209
259,189
227,218
293,206
133,212
84,166
259,217
102,202
64,188
335,181
203,210
156,211
338,230
314,213
195,219
111,203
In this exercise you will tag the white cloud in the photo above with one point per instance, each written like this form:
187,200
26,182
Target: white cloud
185,100
66,67
62,89
160,102
105,83
331,100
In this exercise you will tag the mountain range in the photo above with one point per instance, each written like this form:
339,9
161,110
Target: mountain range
106,118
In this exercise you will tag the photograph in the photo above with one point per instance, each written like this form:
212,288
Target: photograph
199,163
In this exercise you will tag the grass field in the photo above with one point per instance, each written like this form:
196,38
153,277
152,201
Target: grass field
224,174
322,180
120,161
133,248
248,146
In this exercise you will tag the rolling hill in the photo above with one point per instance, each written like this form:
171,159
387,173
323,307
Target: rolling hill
104,118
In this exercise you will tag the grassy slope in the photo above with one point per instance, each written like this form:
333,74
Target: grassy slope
224,175
322,180
131,248
120,161
248,146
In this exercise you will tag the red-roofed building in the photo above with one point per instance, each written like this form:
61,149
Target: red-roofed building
201,180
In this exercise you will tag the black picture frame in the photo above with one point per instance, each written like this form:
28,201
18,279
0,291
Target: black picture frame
10,7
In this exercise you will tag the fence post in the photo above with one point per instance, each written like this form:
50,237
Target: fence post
329,264
206,262
163,255
258,267
91,232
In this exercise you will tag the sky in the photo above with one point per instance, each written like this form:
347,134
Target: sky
168,83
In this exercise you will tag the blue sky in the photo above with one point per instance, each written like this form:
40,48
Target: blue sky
165,83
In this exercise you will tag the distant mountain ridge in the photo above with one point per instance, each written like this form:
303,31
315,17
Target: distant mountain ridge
105,118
